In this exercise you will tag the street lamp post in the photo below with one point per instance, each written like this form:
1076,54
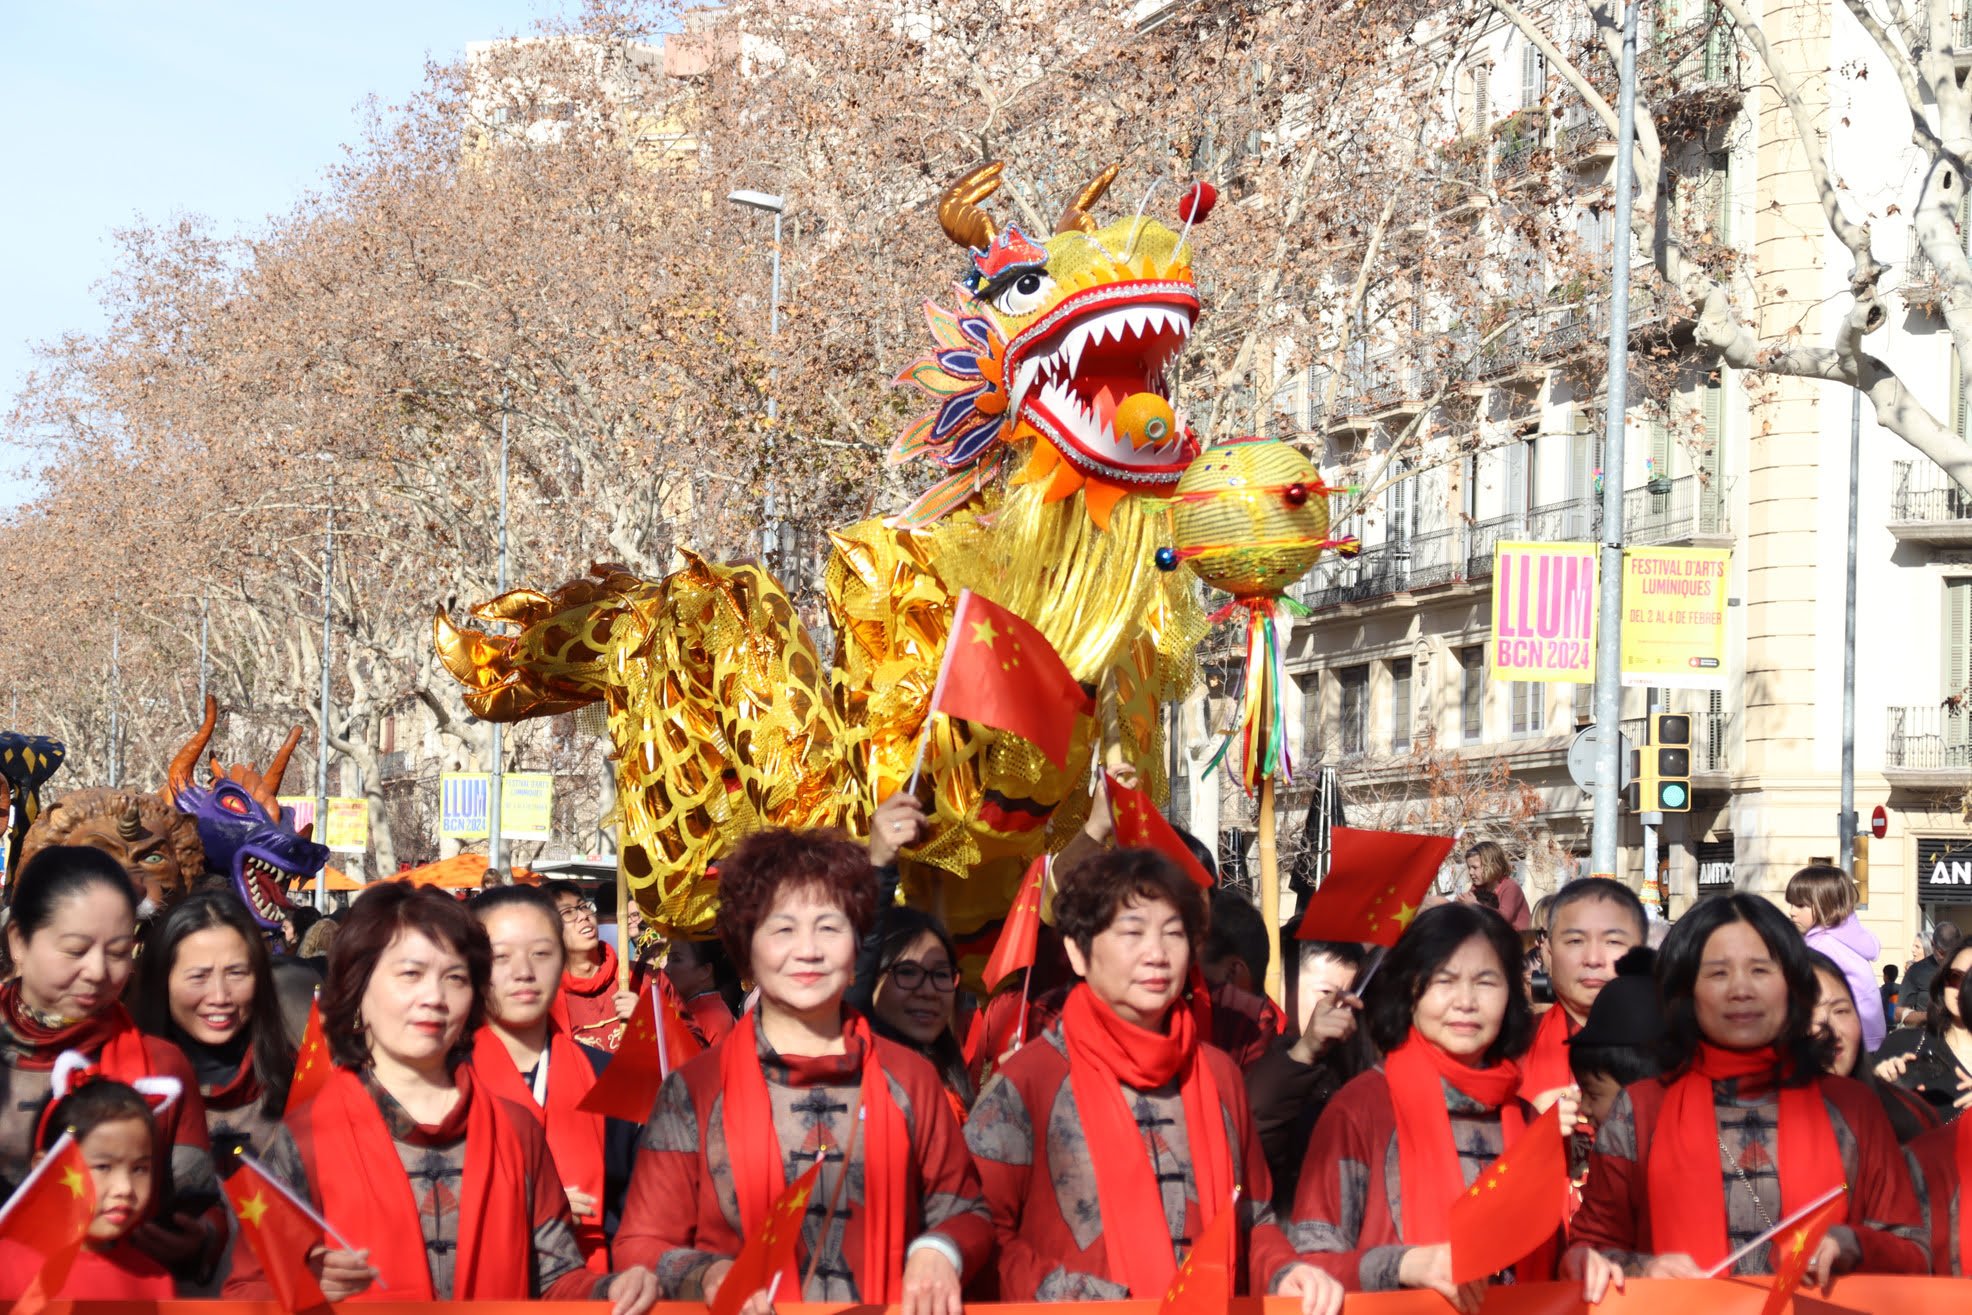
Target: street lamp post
773,205
496,781
322,738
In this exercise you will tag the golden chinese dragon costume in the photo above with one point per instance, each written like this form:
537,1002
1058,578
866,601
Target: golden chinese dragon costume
1055,441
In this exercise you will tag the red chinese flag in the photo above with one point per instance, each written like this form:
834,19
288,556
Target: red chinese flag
281,1231
312,1062
1021,932
1795,1249
48,1216
769,1249
1001,672
1515,1206
627,1088
1204,1285
1139,825
1376,881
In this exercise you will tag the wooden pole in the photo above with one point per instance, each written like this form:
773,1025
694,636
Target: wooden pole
1270,889
624,950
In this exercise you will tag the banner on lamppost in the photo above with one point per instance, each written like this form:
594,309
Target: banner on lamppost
1674,617
527,805
1543,612
348,831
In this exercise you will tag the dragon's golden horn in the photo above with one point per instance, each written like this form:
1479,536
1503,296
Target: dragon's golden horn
958,210
178,777
1075,216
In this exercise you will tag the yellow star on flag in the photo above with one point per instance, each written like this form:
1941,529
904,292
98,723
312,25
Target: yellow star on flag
72,1179
253,1209
983,632
1405,912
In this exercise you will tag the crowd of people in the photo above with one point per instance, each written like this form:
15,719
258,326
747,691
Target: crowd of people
1072,1136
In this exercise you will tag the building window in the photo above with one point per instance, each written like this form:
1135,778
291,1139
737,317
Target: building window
1400,704
1355,709
1529,714
1472,693
1584,703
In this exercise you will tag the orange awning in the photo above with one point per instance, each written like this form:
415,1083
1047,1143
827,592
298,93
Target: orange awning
460,872
338,880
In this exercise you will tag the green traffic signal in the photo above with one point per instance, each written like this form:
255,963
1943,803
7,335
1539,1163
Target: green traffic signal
1673,796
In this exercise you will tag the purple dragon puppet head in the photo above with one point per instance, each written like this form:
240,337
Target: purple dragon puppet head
247,835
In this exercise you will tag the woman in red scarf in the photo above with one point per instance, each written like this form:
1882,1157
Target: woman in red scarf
524,1056
896,1214
446,1190
1109,1144
71,934
1399,1144
205,983
591,1006
1743,1129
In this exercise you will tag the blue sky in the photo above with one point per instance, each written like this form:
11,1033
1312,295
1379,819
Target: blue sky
155,108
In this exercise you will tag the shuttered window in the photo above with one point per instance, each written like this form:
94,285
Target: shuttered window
1400,704
1472,693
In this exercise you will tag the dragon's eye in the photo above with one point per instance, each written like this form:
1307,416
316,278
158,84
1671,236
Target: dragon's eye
1025,294
233,803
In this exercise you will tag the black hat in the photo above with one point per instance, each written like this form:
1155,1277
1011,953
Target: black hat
1626,1012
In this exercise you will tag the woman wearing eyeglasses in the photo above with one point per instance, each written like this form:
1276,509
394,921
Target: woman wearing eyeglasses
590,1005
917,985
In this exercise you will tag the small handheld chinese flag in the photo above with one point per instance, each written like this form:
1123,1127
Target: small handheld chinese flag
1794,1250
281,1230
1020,934
1139,825
769,1249
312,1062
1204,1284
48,1216
1376,882
627,1088
1001,672
1515,1206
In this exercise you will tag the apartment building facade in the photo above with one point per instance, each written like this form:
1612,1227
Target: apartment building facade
1395,646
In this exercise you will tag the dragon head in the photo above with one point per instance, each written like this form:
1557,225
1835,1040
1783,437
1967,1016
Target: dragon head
246,833
1066,343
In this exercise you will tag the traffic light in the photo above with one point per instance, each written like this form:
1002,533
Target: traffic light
1633,792
1666,772
1859,867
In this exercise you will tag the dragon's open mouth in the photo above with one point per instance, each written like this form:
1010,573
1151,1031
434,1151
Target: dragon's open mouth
1076,365
265,885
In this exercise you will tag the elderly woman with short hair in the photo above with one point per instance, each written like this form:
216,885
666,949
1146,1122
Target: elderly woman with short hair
896,1214
1109,1146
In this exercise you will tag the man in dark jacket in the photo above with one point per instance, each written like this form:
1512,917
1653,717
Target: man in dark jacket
1289,1086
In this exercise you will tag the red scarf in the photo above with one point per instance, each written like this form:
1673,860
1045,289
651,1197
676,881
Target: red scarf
1427,1153
1545,1065
1106,1054
575,1137
367,1196
240,1090
597,982
109,1037
1686,1180
759,1171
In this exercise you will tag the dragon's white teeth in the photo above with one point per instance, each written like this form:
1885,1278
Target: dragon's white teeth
1136,317
1073,347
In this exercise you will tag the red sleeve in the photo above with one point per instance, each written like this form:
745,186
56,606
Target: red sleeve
952,1199
1883,1210
549,1206
1613,1200
671,1220
1267,1248
1005,1145
1331,1201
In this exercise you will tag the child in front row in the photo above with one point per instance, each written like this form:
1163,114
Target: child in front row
112,1127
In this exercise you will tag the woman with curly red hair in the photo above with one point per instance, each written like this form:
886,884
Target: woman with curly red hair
896,1214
